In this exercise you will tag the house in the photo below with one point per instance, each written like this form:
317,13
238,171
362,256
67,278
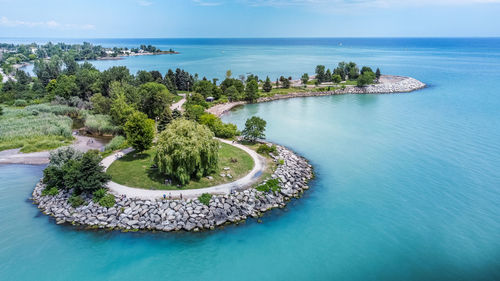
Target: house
210,99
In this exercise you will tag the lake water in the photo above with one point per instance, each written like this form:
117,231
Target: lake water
407,186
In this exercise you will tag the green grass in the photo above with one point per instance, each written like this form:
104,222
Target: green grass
176,98
36,144
134,169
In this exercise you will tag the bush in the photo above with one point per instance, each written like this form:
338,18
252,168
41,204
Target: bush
20,103
282,162
53,176
62,155
76,201
118,142
107,201
99,194
51,191
266,149
220,129
186,150
270,185
205,198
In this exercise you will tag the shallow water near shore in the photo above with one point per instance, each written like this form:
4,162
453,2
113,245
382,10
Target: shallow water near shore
407,185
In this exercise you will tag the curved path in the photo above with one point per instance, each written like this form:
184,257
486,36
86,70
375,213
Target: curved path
226,188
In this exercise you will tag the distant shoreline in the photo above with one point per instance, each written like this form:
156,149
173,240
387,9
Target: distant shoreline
121,57
388,84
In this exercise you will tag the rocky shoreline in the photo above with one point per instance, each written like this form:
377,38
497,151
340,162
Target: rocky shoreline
293,173
388,84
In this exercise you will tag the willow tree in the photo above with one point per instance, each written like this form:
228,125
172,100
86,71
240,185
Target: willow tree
186,150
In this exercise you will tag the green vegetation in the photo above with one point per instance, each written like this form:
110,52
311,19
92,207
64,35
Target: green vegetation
139,170
118,142
76,200
270,185
220,129
186,150
103,198
205,198
100,124
266,149
140,131
32,131
254,128
50,191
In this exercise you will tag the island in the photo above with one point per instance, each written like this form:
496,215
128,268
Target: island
150,152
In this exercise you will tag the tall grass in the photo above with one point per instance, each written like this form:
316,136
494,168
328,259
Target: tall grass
20,128
55,109
100,124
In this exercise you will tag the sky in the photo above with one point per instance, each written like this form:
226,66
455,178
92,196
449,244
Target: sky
248,18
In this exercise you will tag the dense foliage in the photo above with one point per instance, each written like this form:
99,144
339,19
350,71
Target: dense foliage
140,131
266,149
254,128
186,150
220,129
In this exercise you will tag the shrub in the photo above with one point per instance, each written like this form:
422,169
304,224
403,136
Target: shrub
186,150
62,155
266,149
76,201
118,142
1,111
51,191
270,185
53,176
20,103
281,162
99,194
205,198
107,201
220,129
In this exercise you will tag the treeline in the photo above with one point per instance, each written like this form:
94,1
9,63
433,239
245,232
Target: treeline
11,54
344,72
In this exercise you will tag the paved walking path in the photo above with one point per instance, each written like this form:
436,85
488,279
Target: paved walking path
178,105
226,188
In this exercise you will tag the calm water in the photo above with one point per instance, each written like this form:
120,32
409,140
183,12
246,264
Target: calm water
407,187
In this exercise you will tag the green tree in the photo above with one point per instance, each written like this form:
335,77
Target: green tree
140,131
267,87
120,110
232,93
228,74
164,119
336,78
220,129
115,73
365,79
377,74
100,104
304,78
155,98
320,73
64,86
186,150
194,112
254,128
85,175
143,77
251,89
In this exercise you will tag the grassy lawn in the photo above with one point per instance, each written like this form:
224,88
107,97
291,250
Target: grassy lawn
135,170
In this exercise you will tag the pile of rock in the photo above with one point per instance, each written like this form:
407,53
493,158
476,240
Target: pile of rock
293,173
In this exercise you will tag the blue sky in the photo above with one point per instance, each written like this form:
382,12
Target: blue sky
249,18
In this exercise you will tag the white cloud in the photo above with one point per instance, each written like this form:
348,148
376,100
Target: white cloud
207,3
4,21
144,3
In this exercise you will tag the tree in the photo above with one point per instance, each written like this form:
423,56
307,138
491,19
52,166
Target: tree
205,88
365,79
143,77
304,78
336,78
251,89
320,73
194,112
254,128
328,76
155,98
228,74
120,110
1,111
186,150
64,86
140,131
366,69
176,114
377,74
115,73
267,87
86,174
220,129
165,119
232,93
100,104
285,83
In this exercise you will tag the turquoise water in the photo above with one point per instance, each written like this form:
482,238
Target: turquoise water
407,187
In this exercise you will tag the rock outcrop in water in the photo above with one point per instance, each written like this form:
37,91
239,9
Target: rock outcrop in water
293,173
